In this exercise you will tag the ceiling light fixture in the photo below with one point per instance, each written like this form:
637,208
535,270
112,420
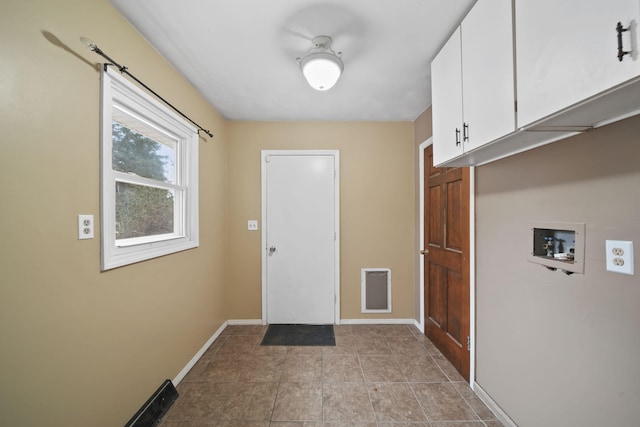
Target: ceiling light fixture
321,67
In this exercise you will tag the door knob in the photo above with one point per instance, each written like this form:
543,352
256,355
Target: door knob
272,249
424,252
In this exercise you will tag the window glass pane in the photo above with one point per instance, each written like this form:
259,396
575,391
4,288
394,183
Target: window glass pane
142,150
143,211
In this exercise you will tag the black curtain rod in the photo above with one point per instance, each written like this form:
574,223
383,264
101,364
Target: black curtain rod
93,47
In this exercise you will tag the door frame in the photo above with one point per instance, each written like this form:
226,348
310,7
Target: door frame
336,243
472,257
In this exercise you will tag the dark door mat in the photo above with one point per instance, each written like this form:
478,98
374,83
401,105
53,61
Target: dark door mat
302,335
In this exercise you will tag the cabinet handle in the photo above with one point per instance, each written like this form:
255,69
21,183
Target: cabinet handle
620,29
465,132
457,137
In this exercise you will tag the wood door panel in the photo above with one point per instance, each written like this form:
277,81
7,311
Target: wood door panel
434,222
454,230
455,302
447,259
437,310
446,267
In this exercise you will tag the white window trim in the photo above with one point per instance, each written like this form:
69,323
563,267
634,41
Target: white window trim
116,89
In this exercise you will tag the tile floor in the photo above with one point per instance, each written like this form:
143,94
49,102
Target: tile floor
375,376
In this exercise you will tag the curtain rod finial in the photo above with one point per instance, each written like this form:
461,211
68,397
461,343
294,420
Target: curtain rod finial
89,43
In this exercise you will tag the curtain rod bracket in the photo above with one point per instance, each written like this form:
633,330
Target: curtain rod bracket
94,48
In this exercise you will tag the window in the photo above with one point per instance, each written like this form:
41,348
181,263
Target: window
149,176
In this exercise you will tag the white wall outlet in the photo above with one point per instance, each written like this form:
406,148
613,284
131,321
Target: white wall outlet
619,256
252,224
85,227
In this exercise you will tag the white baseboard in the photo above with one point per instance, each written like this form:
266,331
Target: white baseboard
377,321
199,354
244,322
419,325
493,406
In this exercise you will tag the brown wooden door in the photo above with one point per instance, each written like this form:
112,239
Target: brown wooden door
446,265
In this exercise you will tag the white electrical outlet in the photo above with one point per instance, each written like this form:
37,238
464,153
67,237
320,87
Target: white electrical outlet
619,256
85,227
252,224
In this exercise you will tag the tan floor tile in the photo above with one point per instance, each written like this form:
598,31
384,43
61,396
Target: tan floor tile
353,424
199,401
188,423
366,345
340,351
458,424
472,399
304,350
381,369
239,344
236,383
250,402
448,368
297,424
341,369
405,345
245,330
298,402
346,402
240,424
224,368
262,369
302,368
442,402
374,331
342,330
269,350
430,348
403,424
344,345
196,373
395,402
421,369
395,330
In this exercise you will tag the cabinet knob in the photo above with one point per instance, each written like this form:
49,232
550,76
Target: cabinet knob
465,132
457,137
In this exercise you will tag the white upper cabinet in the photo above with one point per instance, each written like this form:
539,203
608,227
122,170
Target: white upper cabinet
446,96
473,82
488,72
567,52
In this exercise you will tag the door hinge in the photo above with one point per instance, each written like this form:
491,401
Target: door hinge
267,159
469,343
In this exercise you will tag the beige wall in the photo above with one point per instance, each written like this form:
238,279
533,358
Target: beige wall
558,350
377,207
79,347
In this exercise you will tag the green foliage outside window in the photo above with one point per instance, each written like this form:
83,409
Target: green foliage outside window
140,210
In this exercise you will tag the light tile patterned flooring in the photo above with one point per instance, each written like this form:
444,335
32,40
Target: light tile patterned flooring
375,376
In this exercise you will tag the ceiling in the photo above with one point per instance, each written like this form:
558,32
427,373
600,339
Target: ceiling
241,55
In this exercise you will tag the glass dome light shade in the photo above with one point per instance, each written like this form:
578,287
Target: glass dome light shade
322,70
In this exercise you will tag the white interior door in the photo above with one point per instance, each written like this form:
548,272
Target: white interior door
300,204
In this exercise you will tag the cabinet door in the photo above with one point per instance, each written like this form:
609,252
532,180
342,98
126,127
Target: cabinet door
488,69
567,52
446,95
